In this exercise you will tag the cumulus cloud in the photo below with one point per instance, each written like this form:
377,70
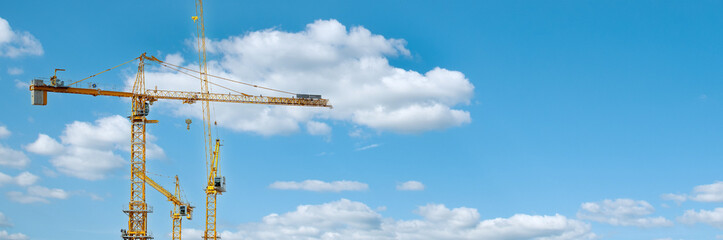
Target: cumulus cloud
320,186
345,219
708,193
26,179
37,194
89,150
410,186
349,66
701,193
4,235
713,218
622,212
16,43
44,145
12,158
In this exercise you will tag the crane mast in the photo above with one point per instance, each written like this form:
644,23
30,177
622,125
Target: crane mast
137,208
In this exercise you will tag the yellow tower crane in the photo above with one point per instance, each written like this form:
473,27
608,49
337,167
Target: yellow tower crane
180,209
141,98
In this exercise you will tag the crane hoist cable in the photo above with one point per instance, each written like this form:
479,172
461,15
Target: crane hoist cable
102,72
178,69
230,80
212,83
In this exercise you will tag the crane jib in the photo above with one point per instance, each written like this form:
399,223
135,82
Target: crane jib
39,96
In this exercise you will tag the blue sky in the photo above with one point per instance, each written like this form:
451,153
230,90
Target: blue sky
513,119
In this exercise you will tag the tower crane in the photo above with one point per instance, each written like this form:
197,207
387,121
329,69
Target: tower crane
180,209
141,98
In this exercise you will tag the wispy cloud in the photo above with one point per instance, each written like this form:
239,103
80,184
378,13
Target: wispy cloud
21,84
4,221
15,71
37,194
320,186
368,147
410,186
677,198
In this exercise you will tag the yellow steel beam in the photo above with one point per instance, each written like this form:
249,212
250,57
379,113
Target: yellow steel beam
189,97
162,190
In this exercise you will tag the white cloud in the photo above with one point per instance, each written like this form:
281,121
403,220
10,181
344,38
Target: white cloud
26,179
4,235
12,158
15,43
37,194
708,193
622,212
677,198
4,132
356,132
318,128
413,118
23,179
44,145
320,186
15,71
5,179
86,163
47,192
345,219
347,66
410,186
89,150
4,221
701,193
95,197
21,84
175,59
20,197
713,218
367,147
